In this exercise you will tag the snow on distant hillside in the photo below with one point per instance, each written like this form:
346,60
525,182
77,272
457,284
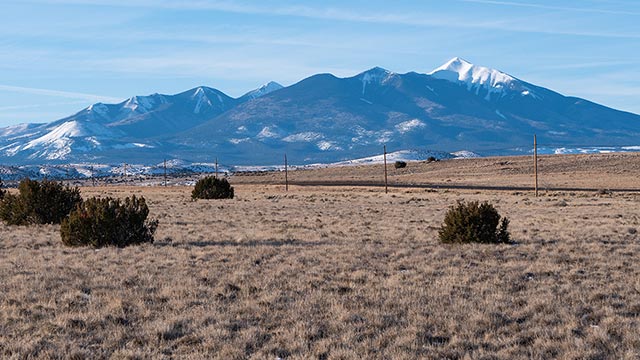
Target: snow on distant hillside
402,155
465,154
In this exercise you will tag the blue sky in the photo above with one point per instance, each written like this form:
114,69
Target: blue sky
59,56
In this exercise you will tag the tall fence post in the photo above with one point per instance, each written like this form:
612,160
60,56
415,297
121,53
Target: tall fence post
216,165
386,185
535,162
164,166
286,173
125,173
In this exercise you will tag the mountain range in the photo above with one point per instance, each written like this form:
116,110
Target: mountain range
323,118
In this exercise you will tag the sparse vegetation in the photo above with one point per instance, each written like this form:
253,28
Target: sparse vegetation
474,222
39,202
400,164
100,222
341,272
211,187
431,159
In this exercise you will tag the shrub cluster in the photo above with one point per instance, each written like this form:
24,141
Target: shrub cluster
474,222
211,187
400,164
100,222
38,202
2,191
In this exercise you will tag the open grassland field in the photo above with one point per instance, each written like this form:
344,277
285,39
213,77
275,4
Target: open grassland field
341,273
596,171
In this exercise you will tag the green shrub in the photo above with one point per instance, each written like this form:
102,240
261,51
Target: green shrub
2,191
431,159
211,187
39,202
474,222
100,222
400,164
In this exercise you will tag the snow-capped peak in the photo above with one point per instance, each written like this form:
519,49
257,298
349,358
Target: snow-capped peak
143,104
270,86
201,98
376,75
478,77
98,109
265,89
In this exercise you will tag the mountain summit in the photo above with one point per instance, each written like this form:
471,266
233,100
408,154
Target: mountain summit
323,118
479,78
271,86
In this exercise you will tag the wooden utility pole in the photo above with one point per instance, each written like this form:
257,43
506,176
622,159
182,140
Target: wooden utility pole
386,185
164,166
125,173
535,162
216,168
286,174
93,178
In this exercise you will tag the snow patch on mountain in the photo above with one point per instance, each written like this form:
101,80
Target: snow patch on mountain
236,141
308,136
140,104
269,132
407,126
132,146
377,75
99,109
477,78
384,136
70,129
201,98
11,149
328,146
18,131
465,154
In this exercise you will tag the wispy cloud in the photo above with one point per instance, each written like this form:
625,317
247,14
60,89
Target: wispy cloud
42,105
553,7
588,65
189,65
58,93
325,13
417,19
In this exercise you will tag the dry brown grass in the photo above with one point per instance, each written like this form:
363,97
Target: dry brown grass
595,171
331,273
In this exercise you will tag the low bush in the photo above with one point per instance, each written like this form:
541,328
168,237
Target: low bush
400,164
431,159
211,187
100,222
474,222
39,202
